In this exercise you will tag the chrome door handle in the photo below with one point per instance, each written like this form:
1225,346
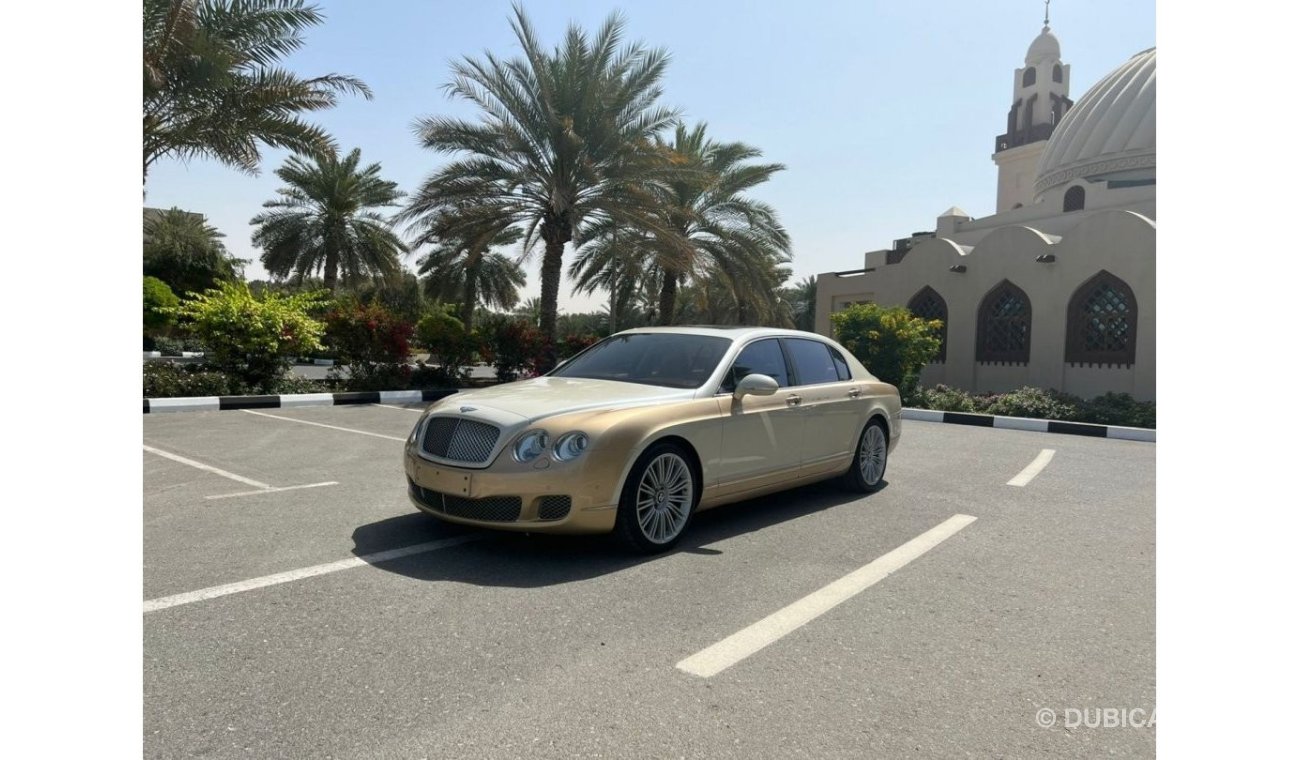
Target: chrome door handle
793,400
855,393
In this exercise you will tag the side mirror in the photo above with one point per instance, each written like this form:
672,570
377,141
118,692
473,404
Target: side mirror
758,385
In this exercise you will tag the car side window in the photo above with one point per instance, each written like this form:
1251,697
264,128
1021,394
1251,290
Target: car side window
841,366
763,357
812,361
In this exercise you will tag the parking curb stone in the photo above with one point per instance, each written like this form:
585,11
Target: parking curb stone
1035,425
291,400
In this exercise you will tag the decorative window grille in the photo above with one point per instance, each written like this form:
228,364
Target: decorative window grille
1102,322
928,304
1005,319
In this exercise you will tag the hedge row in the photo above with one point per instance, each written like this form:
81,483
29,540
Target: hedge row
1107,409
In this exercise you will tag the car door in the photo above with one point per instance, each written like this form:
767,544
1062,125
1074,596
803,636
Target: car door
761,435
830,401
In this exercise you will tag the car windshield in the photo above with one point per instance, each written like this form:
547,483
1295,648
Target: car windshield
672,360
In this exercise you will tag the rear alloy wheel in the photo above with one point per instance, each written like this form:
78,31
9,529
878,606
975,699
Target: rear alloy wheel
658,499
869,460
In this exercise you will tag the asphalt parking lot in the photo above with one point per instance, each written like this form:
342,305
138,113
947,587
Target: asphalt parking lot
279,622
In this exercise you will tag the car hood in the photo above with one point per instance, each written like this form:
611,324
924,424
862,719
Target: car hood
547,396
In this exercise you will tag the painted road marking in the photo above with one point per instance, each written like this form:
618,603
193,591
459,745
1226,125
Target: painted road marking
207,468
736,647
321,424
419,410
162,603
272,490
1035,467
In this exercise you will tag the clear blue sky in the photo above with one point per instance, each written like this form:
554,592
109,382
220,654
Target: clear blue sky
883,112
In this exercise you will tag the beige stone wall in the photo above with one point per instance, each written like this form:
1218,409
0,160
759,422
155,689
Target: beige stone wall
1120,242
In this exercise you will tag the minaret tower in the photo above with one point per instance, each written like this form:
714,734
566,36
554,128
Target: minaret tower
1040,98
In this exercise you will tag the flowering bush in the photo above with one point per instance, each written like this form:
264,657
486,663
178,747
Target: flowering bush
517,349
253,340
572,345
372,342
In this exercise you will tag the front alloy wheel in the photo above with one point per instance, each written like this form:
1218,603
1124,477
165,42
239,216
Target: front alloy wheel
657,500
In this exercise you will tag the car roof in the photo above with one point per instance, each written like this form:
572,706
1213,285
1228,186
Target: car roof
731,332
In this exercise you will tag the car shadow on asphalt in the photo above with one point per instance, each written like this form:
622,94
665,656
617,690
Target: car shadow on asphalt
524,560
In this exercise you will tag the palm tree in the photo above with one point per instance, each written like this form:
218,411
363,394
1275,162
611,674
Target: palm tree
802,299
184,251
325,219
612,263
530,310
463,268
727,233
213,86
565,138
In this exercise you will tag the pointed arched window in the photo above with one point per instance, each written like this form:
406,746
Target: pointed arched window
1005,318
1101,326
1056,73
1029,77
928,304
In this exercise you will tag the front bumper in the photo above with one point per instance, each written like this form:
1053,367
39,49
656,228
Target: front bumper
520,500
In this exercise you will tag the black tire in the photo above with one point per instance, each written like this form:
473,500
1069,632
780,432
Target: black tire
870,458
666,512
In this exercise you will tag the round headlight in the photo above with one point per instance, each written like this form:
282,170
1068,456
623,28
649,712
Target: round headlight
530,445
570,446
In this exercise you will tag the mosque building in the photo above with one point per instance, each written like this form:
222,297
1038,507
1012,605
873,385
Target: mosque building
1057,289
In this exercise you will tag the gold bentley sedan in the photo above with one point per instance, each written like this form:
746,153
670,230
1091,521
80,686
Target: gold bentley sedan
640,431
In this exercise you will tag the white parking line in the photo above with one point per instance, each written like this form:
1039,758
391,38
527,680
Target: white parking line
207,468
321,424
420,410
1035,467
272,490
736,647
162,603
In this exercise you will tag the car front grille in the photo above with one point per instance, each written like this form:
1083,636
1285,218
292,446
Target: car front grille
489,509
553,507
459,440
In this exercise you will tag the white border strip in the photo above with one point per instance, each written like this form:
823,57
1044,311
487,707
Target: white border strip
162,603
924,415
304,399
185,404
736,647
1020,423
400,397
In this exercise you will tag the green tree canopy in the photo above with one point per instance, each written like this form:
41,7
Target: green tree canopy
214,88
325,219
184,251
564,138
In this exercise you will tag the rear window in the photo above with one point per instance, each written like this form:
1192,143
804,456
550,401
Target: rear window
812,361
668,359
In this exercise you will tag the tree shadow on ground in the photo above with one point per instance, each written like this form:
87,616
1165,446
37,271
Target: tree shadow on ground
523,560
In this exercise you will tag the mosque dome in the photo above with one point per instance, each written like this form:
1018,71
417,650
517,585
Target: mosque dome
1110,130
1045,47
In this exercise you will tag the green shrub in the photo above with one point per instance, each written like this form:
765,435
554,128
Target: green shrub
1035,402
450,348
1120,409
890,342
168,346
168,380
159,305
945,399
253,340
